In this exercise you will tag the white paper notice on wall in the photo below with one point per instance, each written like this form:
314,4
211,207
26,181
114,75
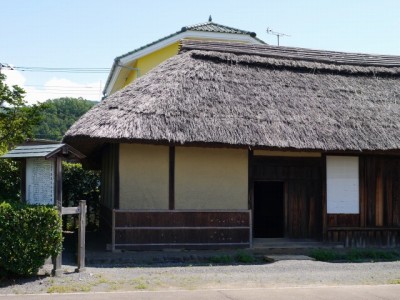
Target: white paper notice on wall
342,185
39,181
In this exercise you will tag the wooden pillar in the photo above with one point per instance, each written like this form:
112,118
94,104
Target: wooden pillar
81,236
57,261
379,196
250,187
113,231
250,177
324,201
23,180
363,194
171,196
115,158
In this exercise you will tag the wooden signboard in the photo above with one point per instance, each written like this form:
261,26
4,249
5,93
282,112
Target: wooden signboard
39,181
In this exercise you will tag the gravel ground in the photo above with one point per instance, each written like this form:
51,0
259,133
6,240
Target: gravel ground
278,274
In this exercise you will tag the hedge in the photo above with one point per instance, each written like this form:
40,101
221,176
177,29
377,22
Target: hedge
29,234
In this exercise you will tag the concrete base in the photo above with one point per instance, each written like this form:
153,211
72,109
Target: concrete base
278,257
57,272
284,243
80,270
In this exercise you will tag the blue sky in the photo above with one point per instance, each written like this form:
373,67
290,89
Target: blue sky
90,34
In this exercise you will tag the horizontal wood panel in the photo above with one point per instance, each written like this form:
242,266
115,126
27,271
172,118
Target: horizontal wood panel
285,168
181,236
343,220
194,246
181,219
141,230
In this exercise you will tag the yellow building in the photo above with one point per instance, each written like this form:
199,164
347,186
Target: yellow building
136,63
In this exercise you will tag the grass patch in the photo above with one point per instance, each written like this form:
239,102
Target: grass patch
396,281
246,258
69,288
139,283
221,259
324,255
240,257
355,255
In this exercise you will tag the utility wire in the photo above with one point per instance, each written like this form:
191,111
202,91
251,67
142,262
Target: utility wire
63,70
55,69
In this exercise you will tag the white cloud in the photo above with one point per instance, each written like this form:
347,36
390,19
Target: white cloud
14,77
54,88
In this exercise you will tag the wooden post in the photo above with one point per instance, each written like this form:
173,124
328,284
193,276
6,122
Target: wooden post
324,201
81,236
171,201
57,261
23,180
250,229
113,231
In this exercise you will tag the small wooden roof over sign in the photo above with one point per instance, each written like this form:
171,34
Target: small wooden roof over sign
45,151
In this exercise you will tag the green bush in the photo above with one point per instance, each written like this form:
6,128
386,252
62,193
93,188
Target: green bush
243,257
325,255
28,235
10,179
81,184
221,259
355,255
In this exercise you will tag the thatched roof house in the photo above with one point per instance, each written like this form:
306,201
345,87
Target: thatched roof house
262,96
226,126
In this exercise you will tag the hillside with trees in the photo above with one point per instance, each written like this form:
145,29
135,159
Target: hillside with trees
58,115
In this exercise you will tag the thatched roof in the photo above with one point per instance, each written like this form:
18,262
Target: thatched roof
254,95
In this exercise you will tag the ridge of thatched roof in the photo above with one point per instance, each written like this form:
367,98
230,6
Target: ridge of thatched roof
293,53
258,98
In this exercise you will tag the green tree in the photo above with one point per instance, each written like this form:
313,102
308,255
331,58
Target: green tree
16,123
58,115
16,118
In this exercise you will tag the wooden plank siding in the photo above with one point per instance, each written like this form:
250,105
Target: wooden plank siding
302,177
378,223
365,237
136,230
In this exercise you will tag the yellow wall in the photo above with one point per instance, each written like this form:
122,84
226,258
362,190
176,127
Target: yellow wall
143,173
286,153
211,178
148,62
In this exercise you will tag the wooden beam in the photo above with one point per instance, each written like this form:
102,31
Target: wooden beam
379,196
70,210
115,159
250,155
57,261
23,180
171,196
324,200
81,236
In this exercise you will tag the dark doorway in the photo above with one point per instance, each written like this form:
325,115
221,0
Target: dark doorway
268,209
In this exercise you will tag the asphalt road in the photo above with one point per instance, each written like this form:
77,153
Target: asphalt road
354,292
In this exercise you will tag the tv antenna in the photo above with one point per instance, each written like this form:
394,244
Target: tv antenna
278,34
